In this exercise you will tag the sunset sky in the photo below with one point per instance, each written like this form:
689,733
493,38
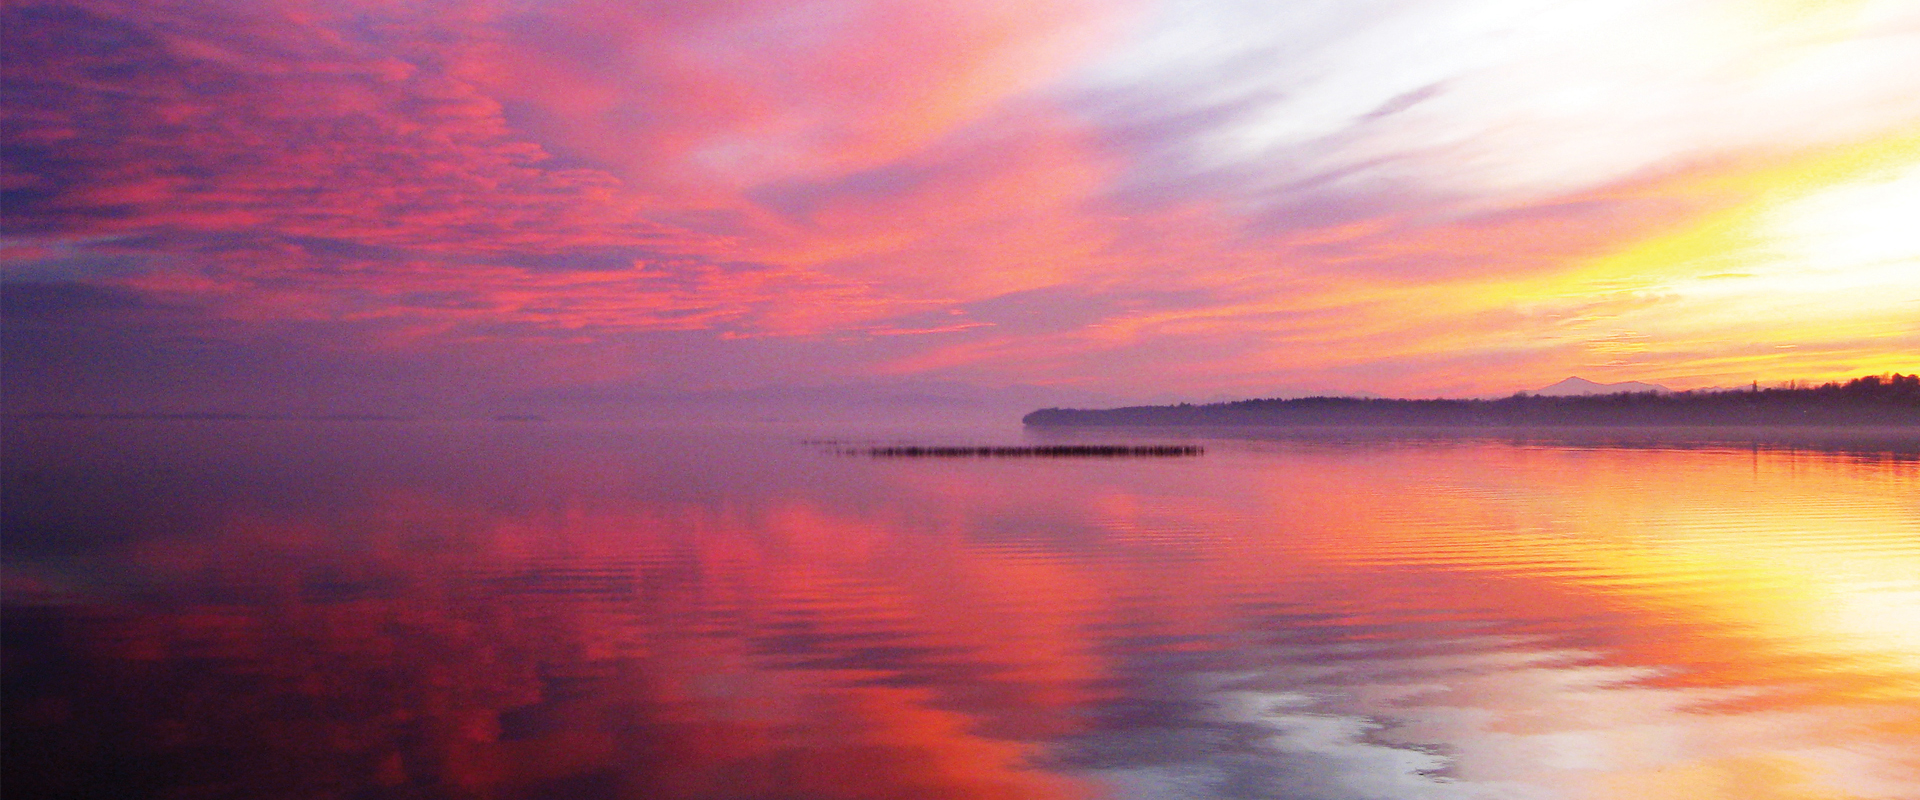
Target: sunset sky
314,205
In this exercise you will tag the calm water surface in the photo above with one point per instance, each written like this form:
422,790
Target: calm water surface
396,610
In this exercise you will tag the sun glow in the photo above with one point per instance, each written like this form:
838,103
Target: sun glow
1817,275
1848,249
1866,227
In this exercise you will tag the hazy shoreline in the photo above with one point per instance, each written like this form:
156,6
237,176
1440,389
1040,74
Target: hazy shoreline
1892,401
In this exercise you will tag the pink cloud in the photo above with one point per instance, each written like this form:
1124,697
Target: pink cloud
824,173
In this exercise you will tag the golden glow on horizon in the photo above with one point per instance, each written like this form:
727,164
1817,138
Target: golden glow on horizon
1821,267
1793,269
1803,270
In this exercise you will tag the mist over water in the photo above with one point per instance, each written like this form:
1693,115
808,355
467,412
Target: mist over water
391,609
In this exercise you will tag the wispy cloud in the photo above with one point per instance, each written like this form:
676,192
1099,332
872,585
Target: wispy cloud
1357,197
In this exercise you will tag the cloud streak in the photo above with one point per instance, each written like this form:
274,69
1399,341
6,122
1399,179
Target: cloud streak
1401,198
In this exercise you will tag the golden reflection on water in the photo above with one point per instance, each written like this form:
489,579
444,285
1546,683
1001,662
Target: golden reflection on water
607,614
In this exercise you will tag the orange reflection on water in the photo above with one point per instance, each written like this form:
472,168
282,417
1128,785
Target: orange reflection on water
604,615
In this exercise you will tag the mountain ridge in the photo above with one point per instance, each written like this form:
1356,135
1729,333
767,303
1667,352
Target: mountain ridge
1576,386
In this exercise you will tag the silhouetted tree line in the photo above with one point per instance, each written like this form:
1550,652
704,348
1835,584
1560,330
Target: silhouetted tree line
1870,400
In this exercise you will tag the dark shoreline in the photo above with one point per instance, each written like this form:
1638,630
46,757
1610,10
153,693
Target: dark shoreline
1873,442
1892,401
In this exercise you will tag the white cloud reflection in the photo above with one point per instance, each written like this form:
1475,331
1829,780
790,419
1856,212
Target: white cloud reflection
1501,722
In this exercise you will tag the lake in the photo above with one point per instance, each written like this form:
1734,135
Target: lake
372,609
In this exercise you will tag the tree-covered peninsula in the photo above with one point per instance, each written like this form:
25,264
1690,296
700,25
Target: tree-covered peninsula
1870,400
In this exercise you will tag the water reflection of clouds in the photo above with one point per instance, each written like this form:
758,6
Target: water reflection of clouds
1458,621
1500,724
1273,745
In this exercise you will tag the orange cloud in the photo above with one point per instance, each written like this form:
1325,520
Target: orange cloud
790,183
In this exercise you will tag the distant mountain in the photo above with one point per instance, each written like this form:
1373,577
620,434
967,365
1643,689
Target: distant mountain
1581,387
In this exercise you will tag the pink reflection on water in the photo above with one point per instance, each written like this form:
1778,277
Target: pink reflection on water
605,613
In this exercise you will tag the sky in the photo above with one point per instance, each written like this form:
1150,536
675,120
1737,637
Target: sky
320,205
